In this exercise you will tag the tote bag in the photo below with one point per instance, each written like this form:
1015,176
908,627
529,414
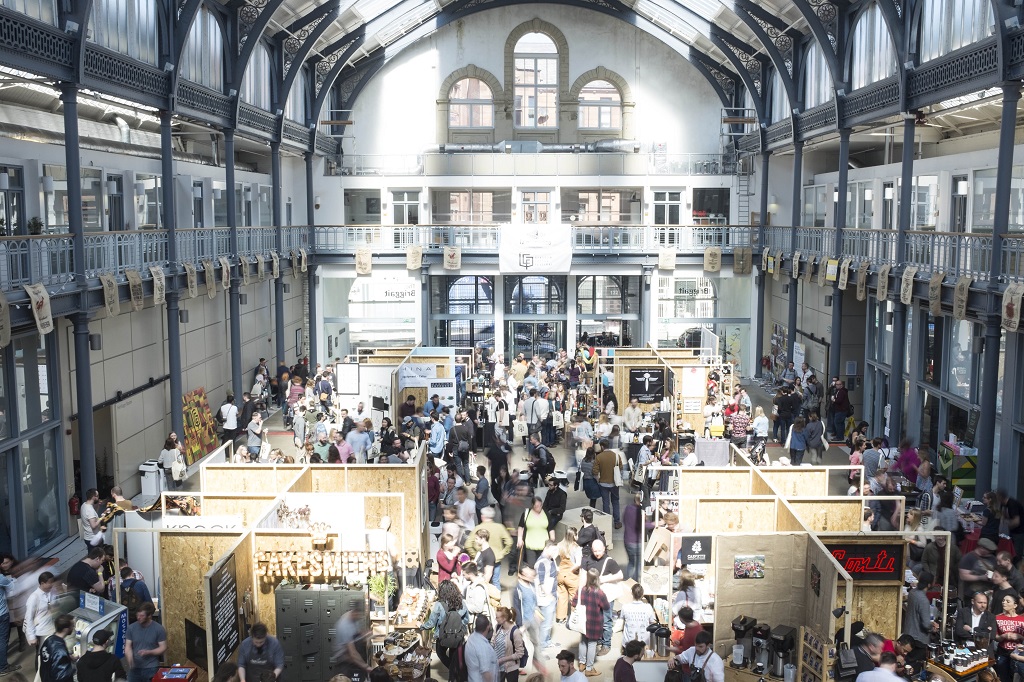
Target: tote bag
521,430
558,420
578,618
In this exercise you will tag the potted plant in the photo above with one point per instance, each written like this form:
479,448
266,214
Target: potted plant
381,587
35,225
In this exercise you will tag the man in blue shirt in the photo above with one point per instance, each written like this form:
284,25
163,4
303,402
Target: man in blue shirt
6,583
260,656
438,437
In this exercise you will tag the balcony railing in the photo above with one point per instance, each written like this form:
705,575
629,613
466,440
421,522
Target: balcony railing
115,252
816,241
955,254
876,246
197,245
44,259
496,163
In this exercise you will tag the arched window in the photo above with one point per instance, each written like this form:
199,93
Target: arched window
600,106
203,59
256,84
43,10
779,99
468,295
948,25
296,107
536,82
536,295
872,57
128,27
817,78
471,104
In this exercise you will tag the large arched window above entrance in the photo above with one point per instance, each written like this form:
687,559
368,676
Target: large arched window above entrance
468,296
536,82
535,295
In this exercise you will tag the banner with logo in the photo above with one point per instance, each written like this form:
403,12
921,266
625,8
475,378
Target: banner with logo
536,249
452,258
822,272
40,299
1011,306
832,270
225,273
777,274
303,259
862,281
275,265
159,285
883,282
210,278
742,260
261,267
960,293
110,301
809,270
696,549
764,260
364,261
414,257
844,273
135,289
666,259
907,286
935,294
243,265
190,279
794,271
713,259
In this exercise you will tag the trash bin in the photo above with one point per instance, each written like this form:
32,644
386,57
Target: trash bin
152,478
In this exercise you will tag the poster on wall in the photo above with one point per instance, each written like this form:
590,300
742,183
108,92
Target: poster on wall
748,567
200,434
535,249
444,389
693,382
346,376
647,384
222,600
692,550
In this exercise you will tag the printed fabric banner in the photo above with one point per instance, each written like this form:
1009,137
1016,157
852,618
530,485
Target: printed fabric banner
742,260
935,294
190,279
414,258
225,273
110,301
795,271
960,292
275,265
907,286
243,265
764,260
364,261
778,264
303,259
159,285
844,274
862,281
295,263
210,275
883,282
809,270
713,259
261,267
1011,306
536,249
135,289
832,270
200,432
5,321
666,259
822,272
452,259
40,299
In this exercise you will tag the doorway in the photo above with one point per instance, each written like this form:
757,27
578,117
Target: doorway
115,203
534,338
197,205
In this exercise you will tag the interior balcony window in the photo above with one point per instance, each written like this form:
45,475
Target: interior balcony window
600,106
536,82
470,105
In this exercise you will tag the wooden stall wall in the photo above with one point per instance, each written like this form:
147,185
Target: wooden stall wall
822,574
877,605
185,557
444,368
830,514
779,598
620,380
797,481
250,507
736,515
277,540
248,478
303,483
786,519
714,482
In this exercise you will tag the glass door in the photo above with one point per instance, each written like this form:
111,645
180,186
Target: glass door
534,338
115,203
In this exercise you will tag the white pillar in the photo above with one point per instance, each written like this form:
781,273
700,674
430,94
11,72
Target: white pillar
499,315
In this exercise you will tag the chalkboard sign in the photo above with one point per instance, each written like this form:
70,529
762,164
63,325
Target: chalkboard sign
875,562
972,427
224,611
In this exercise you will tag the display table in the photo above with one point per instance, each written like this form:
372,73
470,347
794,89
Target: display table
950,675
970,542
175,674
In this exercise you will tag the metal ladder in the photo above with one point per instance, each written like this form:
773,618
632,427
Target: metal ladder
742,191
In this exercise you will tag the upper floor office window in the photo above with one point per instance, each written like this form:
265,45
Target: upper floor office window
126,26
600,106
203,59
817,78
471,104
872,55
43,10
948,25
256,84
536,82
296,108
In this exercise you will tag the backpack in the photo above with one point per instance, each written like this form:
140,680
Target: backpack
526,654
463,445
130,597
476,604
452,632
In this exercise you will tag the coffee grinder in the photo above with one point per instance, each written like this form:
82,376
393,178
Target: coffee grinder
760,638
783,640
741,627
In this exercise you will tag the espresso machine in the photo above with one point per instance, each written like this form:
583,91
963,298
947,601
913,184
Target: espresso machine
761,640
783,639
741,627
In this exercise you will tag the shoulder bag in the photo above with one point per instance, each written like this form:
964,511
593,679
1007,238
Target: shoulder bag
578,617
611,590
618,470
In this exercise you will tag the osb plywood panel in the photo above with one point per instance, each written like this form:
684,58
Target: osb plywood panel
238,478
251,508
404,480
704,482
798,481
779,597
273,541
818,611
758,486
733,516
877,605
328,478
688,514
185,557
303,483
381,360
835,515
786,520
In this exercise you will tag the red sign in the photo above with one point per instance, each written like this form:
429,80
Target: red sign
869,562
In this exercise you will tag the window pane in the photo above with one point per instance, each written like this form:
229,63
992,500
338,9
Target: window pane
31,371
39,489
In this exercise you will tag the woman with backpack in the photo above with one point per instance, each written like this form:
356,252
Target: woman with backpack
508,643
448,621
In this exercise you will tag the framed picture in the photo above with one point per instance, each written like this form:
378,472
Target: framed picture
748,566
373,205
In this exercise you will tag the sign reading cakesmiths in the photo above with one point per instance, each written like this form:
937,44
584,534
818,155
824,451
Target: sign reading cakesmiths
317,564
869,562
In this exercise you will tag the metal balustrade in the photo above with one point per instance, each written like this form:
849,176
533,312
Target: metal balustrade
198,244
46,259
876,246
256,241
778,239
115,252
696,238
955,254
1013,257
817,242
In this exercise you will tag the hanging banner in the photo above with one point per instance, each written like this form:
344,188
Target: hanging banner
275,265
110,301
261,267
135,289
742,260
295,264
883,282
862,281
159,285
414,257
5,321
40,299
666,259
364,261
243,266
764,260
907,286
822,271
210,277
795,270
832,270
1011,306
844,274
647,384
225,273
777,265
713,259
190,279
935,294
960,292
303,259
452,258
535,249
809,270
